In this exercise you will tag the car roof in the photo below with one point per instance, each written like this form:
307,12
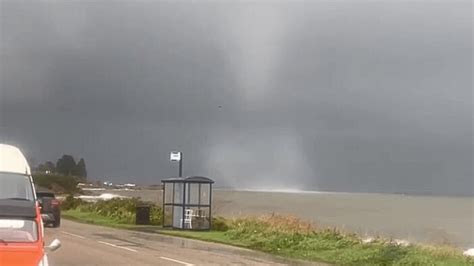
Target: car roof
12,160
43,190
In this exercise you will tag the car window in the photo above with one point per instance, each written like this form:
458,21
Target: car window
45,195
17,230
15,186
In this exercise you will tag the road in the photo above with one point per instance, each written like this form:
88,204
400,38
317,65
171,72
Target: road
84,244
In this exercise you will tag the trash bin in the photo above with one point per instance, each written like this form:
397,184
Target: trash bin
142,215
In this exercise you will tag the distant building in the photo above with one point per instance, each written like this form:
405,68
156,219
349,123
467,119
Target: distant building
128,185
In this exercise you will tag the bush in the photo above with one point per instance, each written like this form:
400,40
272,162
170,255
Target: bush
57,183
120,210
156,215
71,203
220,224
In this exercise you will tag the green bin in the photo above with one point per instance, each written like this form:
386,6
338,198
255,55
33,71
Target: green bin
142,215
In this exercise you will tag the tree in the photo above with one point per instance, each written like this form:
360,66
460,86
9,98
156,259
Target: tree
49,166
41,168
81,169
66,165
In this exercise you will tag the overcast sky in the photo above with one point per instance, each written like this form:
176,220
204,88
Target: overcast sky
332,95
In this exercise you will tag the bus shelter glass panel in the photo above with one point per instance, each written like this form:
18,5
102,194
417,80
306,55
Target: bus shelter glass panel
168,216
168,190
193,193
177,217
200,217
205,194
178,193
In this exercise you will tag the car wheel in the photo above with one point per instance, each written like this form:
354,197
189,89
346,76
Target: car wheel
57,222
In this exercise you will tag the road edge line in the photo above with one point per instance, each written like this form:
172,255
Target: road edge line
177,261
71,234
115,246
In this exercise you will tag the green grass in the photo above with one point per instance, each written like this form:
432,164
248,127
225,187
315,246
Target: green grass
93,218
290,237
120,211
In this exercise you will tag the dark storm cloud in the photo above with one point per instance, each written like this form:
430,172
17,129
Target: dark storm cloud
343,95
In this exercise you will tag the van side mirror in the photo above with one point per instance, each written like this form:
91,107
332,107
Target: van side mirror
54,245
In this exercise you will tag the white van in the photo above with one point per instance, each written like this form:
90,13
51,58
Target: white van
15,175
21,226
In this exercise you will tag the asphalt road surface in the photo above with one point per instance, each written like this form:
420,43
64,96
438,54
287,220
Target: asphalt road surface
84,244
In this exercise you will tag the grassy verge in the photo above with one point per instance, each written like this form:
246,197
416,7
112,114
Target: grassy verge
109,212
94,218
292,238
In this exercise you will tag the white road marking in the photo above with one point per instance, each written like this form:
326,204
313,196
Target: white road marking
71,234
177,261
106,243
115,246
129,249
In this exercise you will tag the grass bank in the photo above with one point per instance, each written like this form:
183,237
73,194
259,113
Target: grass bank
292,238
113,212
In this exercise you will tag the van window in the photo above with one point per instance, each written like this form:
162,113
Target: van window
14,230
15,186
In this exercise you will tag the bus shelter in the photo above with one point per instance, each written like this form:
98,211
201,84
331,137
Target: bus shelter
187,203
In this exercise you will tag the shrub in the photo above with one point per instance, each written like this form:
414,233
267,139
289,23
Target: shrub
57,183
121,210
71,203
156,215
220,224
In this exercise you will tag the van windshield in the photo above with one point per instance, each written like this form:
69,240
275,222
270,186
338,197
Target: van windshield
15,186
15,230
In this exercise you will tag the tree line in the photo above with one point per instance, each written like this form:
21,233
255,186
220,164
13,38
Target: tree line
66,165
